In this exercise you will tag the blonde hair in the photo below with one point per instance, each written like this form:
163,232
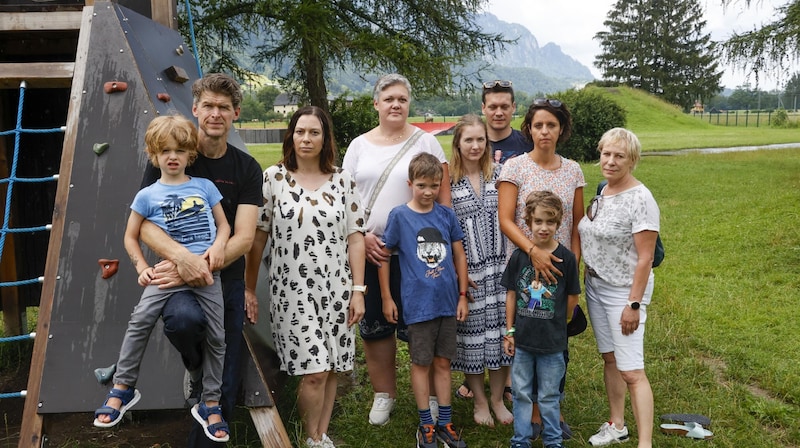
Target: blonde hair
546,201
162,128
626,138
456,159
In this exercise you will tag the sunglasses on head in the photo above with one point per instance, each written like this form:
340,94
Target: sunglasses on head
497,82
545,101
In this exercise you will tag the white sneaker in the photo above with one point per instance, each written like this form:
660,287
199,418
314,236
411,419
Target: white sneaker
326,442
608,434
311,443
382,406
433,404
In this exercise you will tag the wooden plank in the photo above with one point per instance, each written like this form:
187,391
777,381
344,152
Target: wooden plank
32,421
266,419
40,21
37,74
165,13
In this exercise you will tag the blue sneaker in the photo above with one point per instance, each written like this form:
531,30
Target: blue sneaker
426,436
449,436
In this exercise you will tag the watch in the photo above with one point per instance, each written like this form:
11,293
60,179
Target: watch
360,288
634,305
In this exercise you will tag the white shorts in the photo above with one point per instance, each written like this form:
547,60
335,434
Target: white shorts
605,303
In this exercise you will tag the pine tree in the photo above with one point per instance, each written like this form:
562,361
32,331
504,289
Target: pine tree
306,40
660,46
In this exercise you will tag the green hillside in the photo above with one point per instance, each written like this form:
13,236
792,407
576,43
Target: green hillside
661,126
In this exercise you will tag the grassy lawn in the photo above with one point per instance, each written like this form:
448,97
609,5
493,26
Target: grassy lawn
720,336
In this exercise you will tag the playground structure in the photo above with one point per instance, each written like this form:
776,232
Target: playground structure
79,83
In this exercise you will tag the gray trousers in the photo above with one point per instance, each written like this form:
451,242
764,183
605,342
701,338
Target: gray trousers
144,318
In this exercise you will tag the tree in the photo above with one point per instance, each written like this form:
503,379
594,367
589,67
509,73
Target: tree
660,46
592,115
304,40
266,96
791,92
767,49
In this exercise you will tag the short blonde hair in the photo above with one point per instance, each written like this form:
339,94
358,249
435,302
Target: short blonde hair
626,138
162,128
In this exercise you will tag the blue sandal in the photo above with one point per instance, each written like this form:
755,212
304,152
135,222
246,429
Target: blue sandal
128,397
200,412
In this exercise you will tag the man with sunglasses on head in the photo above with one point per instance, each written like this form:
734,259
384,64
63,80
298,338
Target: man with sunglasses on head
498,106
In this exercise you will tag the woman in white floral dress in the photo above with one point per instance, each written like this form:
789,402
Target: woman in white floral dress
312,212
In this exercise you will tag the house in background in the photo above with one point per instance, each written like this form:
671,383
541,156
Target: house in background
286,104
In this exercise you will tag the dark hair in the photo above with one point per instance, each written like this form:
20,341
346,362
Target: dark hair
457,163
497,88
328,154
561,113
425,164
547,201
218,83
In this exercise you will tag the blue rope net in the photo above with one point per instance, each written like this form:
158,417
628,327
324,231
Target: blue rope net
13,179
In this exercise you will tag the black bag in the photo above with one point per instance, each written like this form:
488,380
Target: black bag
658,255
578,323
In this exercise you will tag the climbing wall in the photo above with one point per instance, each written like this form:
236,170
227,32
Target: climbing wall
136,69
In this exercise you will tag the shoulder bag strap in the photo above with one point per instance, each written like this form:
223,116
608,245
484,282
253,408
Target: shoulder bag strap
385,175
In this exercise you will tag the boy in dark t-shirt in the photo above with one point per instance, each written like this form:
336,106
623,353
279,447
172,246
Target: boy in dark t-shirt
536,328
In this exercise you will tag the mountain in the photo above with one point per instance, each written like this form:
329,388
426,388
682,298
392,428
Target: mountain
532,68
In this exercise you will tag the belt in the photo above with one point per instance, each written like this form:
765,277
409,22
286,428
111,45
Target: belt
591,272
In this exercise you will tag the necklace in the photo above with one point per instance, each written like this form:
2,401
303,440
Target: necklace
394,139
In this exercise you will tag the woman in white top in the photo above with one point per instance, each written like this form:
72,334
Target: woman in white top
618,238
367,159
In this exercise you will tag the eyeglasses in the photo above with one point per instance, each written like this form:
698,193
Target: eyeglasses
497,82
545,101
594,207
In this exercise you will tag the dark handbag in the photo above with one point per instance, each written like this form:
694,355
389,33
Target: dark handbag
658,255
578,323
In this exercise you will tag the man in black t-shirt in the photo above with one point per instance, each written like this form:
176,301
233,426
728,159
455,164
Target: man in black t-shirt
237,175
498,106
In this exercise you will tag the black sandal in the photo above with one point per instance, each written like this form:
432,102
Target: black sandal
467,395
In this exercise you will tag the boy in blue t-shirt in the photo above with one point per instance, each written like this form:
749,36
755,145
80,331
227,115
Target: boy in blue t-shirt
427,238
189,210
536,319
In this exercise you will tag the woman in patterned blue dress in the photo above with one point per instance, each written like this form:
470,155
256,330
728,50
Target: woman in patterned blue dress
480,337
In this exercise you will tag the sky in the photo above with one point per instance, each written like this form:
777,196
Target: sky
572,24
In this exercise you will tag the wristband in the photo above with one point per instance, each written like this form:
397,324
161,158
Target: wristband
462,293
511,331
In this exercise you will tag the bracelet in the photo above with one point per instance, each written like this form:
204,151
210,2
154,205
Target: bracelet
511,331
462,293
530,250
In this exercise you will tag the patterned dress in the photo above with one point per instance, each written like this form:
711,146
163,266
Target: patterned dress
480,340
309,274
529,177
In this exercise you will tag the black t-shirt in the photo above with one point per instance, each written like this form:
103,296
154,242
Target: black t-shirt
512,146
541,322
237,175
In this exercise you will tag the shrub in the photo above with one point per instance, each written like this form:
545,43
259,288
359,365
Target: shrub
592,115
351,120
781,118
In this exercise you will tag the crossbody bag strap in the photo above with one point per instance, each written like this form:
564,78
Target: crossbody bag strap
385,175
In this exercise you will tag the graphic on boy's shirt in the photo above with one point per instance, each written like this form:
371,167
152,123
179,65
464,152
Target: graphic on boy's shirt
431,247
186,218
534,299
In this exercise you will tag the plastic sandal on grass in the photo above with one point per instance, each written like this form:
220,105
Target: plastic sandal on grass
693,430
200,412
467,394
686,418
128,398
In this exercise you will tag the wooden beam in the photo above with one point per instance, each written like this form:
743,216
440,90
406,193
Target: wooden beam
165,13
40,21
37,74
30,435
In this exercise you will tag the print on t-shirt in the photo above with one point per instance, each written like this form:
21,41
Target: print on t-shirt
185,218
534,299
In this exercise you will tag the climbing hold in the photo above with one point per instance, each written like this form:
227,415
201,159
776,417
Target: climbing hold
179,50
104,374
99,148
108,267
164,97
115,86
176,74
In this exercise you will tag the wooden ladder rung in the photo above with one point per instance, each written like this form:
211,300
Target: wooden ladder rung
36,74
40,21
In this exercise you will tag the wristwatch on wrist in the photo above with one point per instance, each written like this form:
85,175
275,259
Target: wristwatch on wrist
360,288
634,305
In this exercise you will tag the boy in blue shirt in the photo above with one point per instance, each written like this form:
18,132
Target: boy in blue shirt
427,238
189,209
536,323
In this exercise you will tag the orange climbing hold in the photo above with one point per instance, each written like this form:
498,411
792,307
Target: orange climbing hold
108,267
115,86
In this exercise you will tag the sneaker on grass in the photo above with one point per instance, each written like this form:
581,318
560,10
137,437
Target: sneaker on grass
608,434
449,436
382,406
426,437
